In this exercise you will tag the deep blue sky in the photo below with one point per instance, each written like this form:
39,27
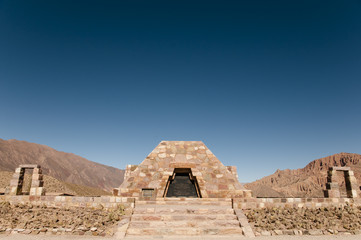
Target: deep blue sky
265,84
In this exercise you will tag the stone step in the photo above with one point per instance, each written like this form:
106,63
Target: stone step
187,201
179,217
182,210
184,223
184,231
181,237
182,199
189,205
184,217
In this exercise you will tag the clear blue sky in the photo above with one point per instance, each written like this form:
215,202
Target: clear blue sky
265,84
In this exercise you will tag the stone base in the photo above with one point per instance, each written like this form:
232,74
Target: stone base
37,191
332,194
14,191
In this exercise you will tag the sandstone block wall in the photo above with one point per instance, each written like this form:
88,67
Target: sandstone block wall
71,201
251,203
238,203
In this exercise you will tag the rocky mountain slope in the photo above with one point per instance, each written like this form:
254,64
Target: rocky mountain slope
53,186
66,167
309,181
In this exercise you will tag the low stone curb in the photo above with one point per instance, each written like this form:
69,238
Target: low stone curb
314,232
246,227
122,228
58,231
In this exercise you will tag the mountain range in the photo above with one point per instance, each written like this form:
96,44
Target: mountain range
309,181
66,167
74,171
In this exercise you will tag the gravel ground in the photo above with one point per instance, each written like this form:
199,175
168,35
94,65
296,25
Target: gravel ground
65,237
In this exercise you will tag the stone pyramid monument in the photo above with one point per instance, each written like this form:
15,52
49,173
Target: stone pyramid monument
181,169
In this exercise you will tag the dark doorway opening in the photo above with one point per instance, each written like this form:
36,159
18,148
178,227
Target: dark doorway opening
182,184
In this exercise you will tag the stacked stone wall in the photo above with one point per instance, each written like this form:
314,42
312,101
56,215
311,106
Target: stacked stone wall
305,221
251,203
128,202
41,219
70,201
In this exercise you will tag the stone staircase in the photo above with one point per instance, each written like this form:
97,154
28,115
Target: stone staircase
185,217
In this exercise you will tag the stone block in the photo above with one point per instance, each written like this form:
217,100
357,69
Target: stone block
14,191
36,176
288,232
15,182
314,232
37,183
332,186
37,191
340,168
37,171
333,194
29,166
116,191
352,194
19,170
18,176
265,233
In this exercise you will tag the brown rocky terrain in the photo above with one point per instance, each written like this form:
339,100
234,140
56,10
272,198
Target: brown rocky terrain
53,186
297,221
26,218
66,167
309,181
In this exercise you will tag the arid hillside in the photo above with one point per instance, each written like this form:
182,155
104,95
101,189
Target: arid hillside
53,186
309,181
66,167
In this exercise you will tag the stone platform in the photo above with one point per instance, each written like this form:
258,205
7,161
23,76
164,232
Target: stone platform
187,217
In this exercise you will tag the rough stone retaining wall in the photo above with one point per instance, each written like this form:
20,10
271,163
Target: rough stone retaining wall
238,203
70,201
282,210
251,203
305,221
41,219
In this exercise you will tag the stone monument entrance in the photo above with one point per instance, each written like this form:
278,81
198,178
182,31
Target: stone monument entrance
181,169
333,187
37,183
182,184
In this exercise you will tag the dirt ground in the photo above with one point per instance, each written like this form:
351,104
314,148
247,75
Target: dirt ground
45,237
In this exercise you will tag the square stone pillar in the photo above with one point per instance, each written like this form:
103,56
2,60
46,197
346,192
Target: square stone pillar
332,190
16,183
332,187
37,183
351,184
